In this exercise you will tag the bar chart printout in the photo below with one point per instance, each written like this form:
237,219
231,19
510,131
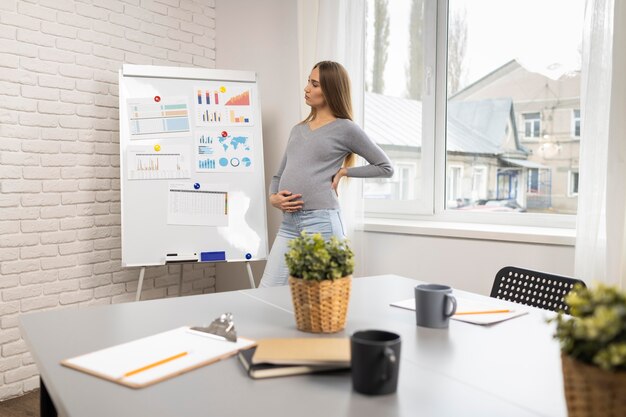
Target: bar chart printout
227,104
146,164
197,204
149,118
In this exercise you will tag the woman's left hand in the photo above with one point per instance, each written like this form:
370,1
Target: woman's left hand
341,173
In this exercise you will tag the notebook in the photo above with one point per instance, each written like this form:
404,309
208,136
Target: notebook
267,370
152,359
471,311
303,351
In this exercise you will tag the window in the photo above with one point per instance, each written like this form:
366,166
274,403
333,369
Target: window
466,118
533,181
573,184
576,123
532,125
394,103
453,188
479,183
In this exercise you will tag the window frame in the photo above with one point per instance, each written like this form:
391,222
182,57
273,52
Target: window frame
431,206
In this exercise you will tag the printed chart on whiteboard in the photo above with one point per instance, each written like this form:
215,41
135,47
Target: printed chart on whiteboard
226,151
197,204
148,163
153,117
224,105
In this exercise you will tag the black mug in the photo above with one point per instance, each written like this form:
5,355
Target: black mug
375,361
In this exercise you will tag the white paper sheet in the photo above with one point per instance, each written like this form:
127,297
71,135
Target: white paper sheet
197,204
112,363
224,151
467,305
158,117
169,162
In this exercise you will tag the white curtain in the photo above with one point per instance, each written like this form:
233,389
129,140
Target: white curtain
601,224
335,30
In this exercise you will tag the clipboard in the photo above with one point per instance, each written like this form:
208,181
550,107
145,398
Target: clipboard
153,359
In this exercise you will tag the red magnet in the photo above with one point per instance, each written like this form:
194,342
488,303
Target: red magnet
157,98
224,133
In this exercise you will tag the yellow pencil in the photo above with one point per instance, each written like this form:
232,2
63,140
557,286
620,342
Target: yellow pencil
483,312
152,365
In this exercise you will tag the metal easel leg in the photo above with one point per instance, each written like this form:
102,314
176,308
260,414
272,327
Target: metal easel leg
180,282
141,274
250,276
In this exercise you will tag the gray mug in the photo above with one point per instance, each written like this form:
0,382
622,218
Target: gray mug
434,305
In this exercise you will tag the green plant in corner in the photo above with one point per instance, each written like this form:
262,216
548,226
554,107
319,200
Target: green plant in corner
310,257
596,332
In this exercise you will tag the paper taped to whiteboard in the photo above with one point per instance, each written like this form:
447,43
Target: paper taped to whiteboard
169,162
156,117
192,203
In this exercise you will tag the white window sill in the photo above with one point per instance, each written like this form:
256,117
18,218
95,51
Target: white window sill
507,233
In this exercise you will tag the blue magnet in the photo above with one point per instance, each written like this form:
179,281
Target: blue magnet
196,186
248,256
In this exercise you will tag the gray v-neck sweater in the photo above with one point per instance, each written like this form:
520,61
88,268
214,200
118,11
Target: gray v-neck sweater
313,157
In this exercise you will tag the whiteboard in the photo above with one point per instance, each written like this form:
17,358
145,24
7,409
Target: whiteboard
191,166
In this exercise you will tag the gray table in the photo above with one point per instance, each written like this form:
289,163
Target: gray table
511,369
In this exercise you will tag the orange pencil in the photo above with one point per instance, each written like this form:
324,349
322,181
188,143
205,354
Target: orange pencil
462,313
152,365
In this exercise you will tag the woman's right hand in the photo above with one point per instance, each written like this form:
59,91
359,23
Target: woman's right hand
286,201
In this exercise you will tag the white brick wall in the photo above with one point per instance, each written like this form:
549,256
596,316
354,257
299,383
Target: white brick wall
59,155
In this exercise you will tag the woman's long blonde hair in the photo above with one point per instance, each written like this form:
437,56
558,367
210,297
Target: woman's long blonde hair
335,83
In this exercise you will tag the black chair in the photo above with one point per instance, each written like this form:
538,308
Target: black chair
533,288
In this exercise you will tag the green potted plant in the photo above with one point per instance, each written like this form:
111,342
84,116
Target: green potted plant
320,281
593,351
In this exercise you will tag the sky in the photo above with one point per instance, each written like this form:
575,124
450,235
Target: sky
544,35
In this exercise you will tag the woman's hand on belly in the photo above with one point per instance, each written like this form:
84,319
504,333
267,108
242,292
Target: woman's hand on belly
286,201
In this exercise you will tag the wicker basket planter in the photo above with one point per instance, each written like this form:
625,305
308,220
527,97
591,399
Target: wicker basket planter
591,391
320,306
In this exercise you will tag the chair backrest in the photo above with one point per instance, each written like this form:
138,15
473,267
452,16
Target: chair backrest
533,288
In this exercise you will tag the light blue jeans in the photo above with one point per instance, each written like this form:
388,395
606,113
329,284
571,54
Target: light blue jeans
327,222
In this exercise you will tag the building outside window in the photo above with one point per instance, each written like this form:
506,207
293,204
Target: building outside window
505,105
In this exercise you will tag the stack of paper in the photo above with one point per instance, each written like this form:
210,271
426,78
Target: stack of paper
472,311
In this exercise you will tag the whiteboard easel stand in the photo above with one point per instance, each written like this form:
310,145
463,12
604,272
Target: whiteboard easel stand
142,273
250,276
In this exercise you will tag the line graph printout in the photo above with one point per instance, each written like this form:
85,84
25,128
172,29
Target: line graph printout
144,163
225,151
192,203
156,117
